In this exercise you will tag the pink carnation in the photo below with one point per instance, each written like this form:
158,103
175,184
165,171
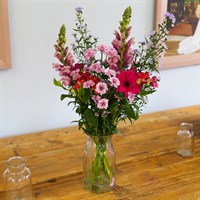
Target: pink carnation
89,53
102,48
101,88
110,72
88,84
114,81
96,67
102,104
96,98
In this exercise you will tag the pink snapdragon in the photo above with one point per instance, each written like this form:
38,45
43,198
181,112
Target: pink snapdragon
128,57
110,51
66,80
117,44
102,104
57,66
101,88
114,81
88,84
89,53
65,70
69,59
58,55
112,61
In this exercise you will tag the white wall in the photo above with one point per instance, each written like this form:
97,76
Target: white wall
29,101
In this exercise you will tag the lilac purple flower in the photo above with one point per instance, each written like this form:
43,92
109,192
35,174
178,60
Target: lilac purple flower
171,16
79,9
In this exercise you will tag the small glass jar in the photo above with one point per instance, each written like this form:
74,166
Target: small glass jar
17,180
185,139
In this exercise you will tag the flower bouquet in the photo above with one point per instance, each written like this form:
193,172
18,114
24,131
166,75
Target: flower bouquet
107,84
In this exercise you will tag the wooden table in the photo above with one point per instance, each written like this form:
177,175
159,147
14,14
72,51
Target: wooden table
148,167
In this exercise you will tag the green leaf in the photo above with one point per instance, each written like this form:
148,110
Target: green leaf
57,83
89,117
137,115
116,130
84,94
63,96
80,124
113,107
71,102
144,93
129,111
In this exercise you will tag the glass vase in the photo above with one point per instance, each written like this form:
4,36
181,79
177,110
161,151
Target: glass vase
185,139
99,164
17,180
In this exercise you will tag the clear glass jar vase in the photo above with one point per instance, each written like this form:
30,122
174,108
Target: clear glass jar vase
17,180
99,164
185,139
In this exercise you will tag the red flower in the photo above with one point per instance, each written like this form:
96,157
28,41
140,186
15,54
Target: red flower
143,78
128,82
85,76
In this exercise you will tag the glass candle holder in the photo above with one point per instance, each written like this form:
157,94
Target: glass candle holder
185,139
17,180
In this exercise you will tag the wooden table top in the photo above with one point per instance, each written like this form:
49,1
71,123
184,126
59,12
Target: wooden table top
148,167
